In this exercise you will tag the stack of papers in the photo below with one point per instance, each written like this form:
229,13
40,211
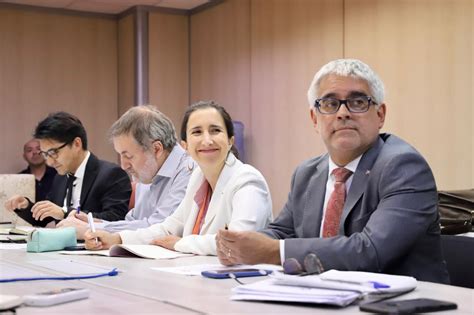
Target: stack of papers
11,234
333,287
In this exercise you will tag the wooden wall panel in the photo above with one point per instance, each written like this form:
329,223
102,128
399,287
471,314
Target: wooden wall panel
169,64
51,62
291,40
423,50
220,58
126,63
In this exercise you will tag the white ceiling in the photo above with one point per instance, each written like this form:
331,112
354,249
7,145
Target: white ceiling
109,6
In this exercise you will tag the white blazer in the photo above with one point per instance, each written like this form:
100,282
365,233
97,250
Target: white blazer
241,200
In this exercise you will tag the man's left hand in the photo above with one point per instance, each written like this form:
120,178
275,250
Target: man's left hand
166,241
45,208
247,248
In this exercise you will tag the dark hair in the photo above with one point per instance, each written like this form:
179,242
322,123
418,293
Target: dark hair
229,126
61,127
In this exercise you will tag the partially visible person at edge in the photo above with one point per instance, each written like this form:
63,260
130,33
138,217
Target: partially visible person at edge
145,139
43,173
369,204
83,180
222,191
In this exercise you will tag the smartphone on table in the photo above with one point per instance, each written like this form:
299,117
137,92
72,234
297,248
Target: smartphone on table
57,296
408,306
237,273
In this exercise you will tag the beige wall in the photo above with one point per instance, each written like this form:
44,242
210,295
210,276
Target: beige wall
422,50
169,64
51,62
220,57
126,63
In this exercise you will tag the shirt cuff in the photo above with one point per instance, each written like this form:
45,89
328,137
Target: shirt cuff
282,251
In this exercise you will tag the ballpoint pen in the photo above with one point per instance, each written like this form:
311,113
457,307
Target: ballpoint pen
90,218
78,210
371,284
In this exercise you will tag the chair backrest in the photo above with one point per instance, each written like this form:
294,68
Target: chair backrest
15,184
458,252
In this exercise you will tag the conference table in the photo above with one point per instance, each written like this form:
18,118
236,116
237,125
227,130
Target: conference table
138,289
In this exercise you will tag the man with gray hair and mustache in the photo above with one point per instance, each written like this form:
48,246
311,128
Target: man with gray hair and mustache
369,204
147,144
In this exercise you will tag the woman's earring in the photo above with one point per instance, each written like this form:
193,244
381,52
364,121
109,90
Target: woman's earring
230,160
190,165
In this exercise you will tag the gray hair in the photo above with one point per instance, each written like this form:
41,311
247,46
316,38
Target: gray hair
347,67
146,124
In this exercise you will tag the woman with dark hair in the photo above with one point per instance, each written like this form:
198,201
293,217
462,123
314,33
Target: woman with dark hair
222,192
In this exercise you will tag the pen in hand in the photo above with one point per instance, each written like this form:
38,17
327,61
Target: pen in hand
90,218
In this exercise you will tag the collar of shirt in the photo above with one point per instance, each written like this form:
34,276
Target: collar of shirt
170,166
82,167
351,166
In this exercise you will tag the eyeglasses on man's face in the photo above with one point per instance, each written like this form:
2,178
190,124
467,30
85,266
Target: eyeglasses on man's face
330,105
53,152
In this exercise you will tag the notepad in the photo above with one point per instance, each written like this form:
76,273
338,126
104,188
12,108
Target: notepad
139,251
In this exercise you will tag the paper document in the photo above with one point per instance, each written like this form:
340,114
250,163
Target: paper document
195,270
332,287
13,238
363,282
268,290
14,234
139,251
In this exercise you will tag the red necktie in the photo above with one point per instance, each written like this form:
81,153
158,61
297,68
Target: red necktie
336,201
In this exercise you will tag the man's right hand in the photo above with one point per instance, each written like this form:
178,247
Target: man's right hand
16,202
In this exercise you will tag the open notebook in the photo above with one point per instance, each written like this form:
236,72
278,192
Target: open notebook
138,251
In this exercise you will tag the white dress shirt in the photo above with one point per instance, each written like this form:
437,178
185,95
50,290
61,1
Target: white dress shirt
77,184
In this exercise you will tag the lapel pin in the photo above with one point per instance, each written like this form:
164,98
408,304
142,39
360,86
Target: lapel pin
367,172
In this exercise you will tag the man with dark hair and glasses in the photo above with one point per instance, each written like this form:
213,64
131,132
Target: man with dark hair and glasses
369,204
83,180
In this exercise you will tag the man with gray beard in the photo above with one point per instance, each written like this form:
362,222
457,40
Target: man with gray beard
147,144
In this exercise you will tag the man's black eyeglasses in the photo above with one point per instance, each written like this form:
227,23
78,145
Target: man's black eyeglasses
53,153
330,105
311,266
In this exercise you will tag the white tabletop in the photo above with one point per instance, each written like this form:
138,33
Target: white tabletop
139,289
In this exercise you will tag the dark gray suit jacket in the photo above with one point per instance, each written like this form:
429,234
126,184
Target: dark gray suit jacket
390,220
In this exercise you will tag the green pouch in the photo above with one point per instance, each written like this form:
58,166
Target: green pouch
46,240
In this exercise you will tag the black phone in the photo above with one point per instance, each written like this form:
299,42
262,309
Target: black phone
74,248
238,273
408,306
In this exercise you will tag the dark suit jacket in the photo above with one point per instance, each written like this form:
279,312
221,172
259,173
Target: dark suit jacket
105,192
389,223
